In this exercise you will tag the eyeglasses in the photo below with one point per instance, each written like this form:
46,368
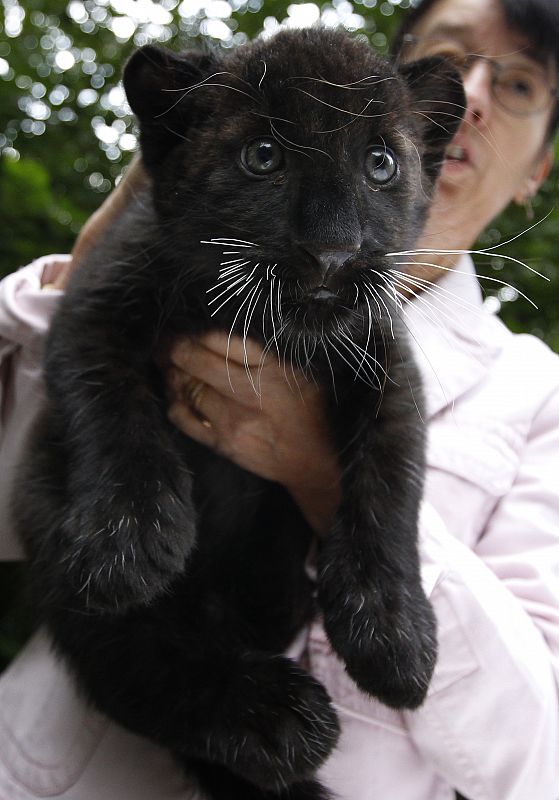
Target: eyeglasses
521,89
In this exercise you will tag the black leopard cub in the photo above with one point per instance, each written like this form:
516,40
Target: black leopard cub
170,579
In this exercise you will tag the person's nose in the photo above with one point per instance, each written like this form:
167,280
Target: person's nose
477,85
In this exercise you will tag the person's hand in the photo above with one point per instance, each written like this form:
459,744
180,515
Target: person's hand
135,180
271,423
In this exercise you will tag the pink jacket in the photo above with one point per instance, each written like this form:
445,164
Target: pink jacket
490,555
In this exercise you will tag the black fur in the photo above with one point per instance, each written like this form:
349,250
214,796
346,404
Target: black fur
170,579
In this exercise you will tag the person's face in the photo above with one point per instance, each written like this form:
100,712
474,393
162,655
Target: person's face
496,156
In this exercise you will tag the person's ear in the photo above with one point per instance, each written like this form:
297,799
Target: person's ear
536,178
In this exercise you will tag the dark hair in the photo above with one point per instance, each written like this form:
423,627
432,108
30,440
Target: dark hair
538,20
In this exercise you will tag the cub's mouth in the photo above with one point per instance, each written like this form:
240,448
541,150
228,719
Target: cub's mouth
318,307
323,294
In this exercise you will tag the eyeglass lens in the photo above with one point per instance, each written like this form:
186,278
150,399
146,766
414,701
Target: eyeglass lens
519,88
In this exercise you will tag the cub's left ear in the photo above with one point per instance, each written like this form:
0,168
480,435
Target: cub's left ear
439,104
160,87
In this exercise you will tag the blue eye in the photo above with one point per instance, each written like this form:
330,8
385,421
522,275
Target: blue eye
261,157
381,165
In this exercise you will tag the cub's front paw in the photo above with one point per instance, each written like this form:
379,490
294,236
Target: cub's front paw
387,639
283,725
123,549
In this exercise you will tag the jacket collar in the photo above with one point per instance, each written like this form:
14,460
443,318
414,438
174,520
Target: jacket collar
454,337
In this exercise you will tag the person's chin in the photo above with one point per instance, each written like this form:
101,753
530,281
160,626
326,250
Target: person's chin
455,177
454,170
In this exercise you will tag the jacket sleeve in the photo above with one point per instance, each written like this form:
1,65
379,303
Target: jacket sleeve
490,724
25,312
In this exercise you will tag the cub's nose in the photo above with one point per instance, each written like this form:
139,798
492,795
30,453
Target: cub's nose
329,260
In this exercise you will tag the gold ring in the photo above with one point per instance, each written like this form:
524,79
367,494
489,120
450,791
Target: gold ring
193,390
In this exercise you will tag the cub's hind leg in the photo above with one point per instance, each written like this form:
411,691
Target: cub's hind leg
260,716
219,783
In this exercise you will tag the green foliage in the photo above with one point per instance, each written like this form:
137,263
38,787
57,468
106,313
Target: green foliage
39,227
66,131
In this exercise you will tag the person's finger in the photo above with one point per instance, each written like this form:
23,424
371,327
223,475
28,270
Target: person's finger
266,373
133,183
190,423
213,367
201,412
237,349
210,408
61,276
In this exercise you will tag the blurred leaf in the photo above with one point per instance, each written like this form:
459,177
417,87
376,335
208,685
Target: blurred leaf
42,225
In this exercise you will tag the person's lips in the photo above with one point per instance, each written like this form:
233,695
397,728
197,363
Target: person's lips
457,156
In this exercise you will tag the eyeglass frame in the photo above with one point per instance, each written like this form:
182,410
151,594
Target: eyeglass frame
496,69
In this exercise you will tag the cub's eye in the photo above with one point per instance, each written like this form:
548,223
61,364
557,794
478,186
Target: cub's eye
381,165
261,157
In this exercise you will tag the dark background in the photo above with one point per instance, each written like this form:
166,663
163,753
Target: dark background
66,134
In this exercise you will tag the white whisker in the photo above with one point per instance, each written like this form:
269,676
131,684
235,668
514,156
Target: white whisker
419,346
231,296
229,286
298,148
226,274
249,277
361,359
462,272
248,319
325,349
248,298
343,358
270,342
357,116
279,294
421,300
336,108
227,242
489,251
390,285
418,154
369,328
232,261
375,293
424,284
202,85
263,75
374,363
374,80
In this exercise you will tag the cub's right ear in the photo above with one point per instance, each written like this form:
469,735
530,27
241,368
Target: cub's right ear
159,86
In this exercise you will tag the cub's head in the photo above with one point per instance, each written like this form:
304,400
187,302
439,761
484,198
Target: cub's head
286,170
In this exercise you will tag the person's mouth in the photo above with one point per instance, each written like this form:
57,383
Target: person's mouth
457,156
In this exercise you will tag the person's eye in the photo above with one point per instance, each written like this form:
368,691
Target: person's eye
381,165
518,83
451,54
261,157
444,49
